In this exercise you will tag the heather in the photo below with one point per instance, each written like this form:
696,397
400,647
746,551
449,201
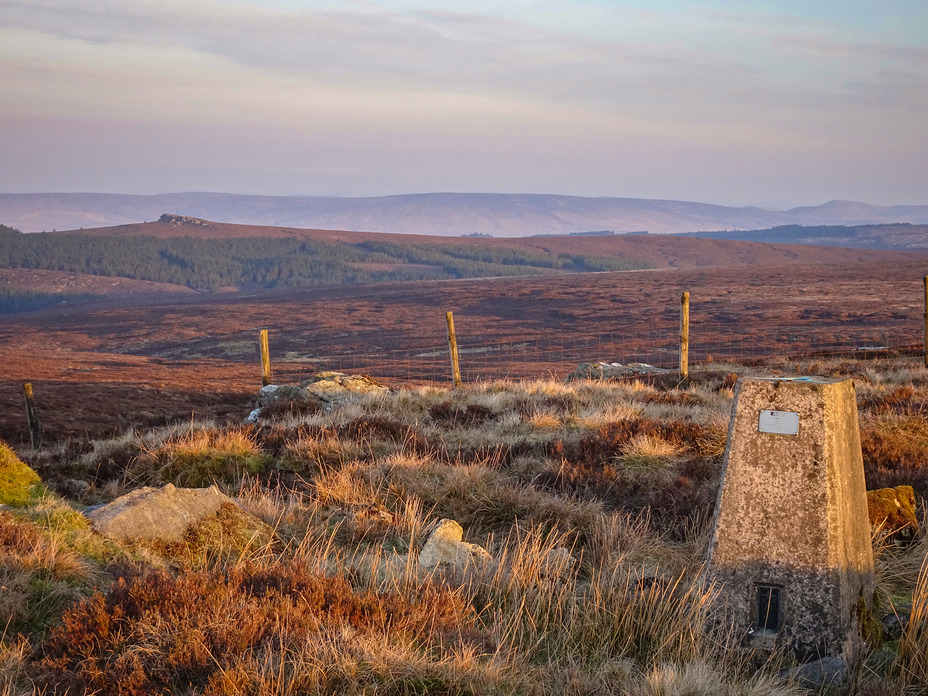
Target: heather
593,498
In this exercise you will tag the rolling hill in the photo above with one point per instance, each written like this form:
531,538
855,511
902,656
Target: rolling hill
183,254
443,214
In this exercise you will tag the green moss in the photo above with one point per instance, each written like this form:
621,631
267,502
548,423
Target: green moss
206,468
19,485
871,628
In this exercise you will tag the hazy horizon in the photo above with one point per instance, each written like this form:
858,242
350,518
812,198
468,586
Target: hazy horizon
730,103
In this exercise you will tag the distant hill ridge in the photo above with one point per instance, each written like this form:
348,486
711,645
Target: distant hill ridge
443,214
894,236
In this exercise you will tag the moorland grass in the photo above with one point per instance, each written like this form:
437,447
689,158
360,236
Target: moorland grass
594,499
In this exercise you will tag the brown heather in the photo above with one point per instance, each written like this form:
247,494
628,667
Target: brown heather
183,634
327,598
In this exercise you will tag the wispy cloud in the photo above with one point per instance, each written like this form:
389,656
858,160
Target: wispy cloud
526,89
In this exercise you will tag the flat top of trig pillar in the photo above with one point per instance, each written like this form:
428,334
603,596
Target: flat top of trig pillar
807,380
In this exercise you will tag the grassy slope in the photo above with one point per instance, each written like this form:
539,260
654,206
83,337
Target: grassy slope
624,476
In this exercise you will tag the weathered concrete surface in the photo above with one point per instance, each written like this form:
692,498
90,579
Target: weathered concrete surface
445,547
157,514
892,510
792,514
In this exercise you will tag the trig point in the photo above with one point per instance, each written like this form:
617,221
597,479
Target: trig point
791,547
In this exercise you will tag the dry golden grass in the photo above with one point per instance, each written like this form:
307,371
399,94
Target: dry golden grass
911,665
595,500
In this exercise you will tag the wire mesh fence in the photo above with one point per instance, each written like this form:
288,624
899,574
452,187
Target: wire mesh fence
556,355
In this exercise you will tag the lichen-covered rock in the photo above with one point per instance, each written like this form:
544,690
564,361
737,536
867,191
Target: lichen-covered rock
893,511
19,484
445,548
337,387
604,371
157,514
275,393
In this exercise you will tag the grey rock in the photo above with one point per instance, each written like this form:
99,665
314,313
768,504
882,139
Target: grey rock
604,371
337,387
896,622
157,514
824,673
274,393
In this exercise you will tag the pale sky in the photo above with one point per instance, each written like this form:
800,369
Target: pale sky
737,102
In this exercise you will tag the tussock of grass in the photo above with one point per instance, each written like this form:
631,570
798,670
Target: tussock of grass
201,457
595,500
39,576
911,665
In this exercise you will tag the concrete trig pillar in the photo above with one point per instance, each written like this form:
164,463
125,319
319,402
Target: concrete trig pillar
791,548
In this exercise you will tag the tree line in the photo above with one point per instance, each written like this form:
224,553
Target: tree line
210,264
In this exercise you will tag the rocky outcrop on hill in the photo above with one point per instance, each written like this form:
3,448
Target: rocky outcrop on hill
172,219
157,514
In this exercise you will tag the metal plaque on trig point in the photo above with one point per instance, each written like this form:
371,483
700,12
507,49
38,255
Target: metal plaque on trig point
778,422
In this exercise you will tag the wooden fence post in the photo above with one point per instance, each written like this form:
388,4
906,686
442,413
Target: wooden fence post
685,335
265,359
35,430
926,321
453,345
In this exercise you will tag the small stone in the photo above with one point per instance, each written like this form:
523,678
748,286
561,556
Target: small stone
445,547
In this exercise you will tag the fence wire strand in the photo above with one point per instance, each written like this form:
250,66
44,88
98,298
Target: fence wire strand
557,355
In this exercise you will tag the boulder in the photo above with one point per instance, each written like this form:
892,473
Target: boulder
337,387
277,393
157,514
19,484
445,548
893,511
320,392
822,674
604,371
